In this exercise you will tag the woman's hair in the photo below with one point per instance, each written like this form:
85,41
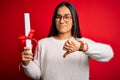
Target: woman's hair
75,28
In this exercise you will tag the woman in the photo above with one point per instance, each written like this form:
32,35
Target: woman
64,54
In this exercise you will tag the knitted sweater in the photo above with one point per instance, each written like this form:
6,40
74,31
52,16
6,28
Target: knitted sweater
50,64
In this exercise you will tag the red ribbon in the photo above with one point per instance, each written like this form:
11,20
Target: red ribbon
23,38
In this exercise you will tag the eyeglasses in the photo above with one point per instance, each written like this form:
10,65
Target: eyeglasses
66,17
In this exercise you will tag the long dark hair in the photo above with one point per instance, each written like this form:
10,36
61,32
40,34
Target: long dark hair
75,28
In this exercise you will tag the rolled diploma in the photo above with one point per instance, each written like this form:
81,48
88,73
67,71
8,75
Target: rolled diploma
27,30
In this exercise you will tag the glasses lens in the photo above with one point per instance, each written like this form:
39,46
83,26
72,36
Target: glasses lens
66,17
58,17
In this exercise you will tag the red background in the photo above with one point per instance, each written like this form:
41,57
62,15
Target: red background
99,21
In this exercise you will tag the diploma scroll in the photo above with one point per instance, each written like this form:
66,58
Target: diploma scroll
27,30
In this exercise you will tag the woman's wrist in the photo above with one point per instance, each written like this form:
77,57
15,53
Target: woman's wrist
25,63
83,46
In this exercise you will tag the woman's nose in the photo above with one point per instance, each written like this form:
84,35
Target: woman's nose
62,20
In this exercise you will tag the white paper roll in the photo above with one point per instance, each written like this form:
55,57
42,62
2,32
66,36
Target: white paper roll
27,29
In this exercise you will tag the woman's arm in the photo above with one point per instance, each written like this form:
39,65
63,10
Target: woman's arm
98,51
32,69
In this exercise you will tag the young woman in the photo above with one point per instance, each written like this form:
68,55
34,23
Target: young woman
64,54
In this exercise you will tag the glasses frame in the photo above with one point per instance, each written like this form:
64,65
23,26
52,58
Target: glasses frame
57,19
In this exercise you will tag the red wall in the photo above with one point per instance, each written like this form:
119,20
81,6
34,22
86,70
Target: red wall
99,21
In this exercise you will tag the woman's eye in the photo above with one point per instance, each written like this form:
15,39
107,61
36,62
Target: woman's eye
67,17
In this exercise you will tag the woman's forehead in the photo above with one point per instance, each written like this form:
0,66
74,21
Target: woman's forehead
63,10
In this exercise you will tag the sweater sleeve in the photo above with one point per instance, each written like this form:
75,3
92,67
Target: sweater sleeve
33,68
98,51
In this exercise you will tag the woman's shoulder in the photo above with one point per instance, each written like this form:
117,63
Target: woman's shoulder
88,40
84,39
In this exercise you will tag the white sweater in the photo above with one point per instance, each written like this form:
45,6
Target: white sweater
51,65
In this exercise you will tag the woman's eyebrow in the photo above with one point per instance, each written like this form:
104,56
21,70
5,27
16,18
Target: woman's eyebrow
64,14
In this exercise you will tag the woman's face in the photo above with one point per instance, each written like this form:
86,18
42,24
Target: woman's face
64,20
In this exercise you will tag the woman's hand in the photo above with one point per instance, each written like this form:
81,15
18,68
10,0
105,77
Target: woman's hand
73,45
70,46
26,56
